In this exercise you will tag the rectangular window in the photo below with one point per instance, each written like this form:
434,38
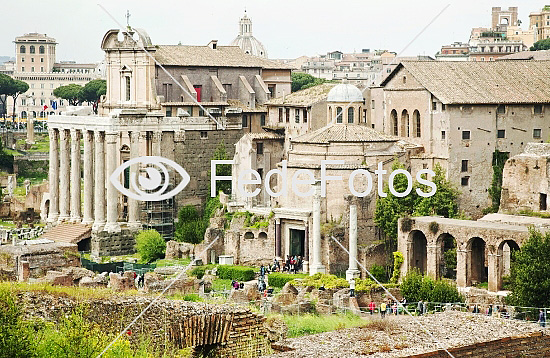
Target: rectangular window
259,148
32,69
442,134
23,102
245,121
434,106
543,201
537,109
372,104
41,59
262,120
201,112
168,112
304,114
280,114
204,134
501,109
466,135
128,88
297,115
442,106
501,133
464,167
464,181
537,133
22,69
287,114
41,85
198,89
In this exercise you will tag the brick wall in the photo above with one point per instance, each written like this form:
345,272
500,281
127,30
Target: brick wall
536,344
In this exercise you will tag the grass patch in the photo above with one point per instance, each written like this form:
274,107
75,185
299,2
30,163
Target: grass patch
537,214
73,291
172,262
220,284
300,325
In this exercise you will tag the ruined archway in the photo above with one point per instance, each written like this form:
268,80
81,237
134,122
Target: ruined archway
477,261
505,255
419,255
446,256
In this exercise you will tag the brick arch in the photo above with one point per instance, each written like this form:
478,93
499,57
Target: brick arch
419,246
445,242
477,261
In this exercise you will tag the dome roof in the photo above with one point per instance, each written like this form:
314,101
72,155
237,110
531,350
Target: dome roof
345,92
246,41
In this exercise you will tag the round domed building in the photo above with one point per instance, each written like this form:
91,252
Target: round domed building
345,104
246,41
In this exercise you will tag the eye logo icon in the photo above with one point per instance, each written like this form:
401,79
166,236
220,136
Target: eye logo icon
153,185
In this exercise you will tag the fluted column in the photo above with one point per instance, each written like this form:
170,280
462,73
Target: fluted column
75,176
112,193
133,204
64,163
352,271
88,178
99,181
316,264
53,178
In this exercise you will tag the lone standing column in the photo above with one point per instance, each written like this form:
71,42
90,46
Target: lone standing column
112,193
53,213
88,178
99,187
352,271
64,195
75,176
133,205
316,265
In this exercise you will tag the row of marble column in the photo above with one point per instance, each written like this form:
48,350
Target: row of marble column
100,204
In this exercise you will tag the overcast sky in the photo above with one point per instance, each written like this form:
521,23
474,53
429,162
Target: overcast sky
288,28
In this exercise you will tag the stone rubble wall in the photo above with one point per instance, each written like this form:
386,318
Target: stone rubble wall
534,344
243,332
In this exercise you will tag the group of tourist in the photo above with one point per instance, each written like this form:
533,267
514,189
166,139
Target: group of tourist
292,264
387,307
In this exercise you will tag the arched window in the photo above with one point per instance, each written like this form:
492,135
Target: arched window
405,123
22,49
416,120
338,114
41,50
350,114
395,126
24,114
31,49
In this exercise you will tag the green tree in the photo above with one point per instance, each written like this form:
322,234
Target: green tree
69,92
15,336
191,226
416,287
18,87
150,245
92,92
6,83
541,45
530,272
303,80
390,208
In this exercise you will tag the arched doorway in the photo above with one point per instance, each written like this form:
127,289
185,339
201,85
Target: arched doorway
446,258
477,261
505,254
419,252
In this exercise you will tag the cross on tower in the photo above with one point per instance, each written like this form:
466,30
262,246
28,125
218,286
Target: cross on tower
128,18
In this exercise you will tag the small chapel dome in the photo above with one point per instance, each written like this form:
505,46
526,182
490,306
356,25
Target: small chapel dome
248,43
345,92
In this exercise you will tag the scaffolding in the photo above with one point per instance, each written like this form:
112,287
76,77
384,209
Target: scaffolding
159,215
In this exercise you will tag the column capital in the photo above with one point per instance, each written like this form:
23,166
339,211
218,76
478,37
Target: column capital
157,136
98,136
75,134
111,137
53,133
179,136
63,134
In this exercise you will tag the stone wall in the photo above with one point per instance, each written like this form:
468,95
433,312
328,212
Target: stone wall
112,244
222,330
534,344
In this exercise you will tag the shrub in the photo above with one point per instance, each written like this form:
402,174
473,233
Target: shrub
238,273
150,245
277,279
191,226
15,337
379,273
398,260
416,287
320,279
198,271
434,227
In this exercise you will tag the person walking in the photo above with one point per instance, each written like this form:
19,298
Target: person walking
383,309
352,287
372,307
262,271
419,308
542,318
424,307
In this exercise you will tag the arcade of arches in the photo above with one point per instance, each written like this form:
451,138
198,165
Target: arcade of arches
483,249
